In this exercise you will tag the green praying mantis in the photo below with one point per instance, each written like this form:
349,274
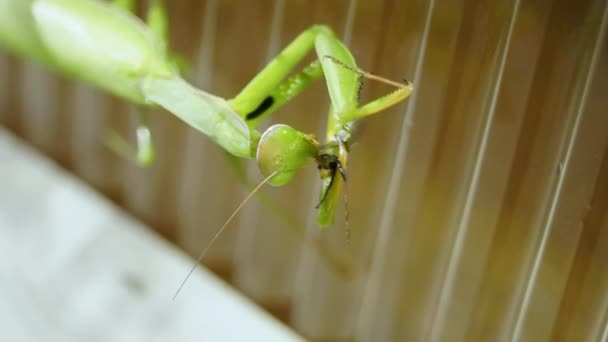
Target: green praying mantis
104,44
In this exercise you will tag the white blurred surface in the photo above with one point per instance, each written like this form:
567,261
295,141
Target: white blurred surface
73,267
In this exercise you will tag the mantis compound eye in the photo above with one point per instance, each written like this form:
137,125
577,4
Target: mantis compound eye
283,149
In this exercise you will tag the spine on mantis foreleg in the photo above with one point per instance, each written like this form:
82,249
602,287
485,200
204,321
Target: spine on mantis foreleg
114,50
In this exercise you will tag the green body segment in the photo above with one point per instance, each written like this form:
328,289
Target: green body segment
88,40
342,83
327,209
101,44
209,114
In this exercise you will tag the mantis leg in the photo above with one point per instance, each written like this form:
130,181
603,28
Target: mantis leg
283,93
158,21
145,147
268,90
156,17
143,154
343,82
403,91
127,5
383,102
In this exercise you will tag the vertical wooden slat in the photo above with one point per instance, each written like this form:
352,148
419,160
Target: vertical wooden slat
12,89
39,95
89,107
584,304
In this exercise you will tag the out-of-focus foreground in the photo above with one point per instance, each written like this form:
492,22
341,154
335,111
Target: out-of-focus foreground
73,267
478,208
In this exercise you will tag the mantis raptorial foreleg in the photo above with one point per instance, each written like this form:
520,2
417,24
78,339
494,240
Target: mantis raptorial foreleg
381,103
268,91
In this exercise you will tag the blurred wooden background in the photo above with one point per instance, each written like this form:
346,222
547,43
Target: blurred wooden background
478,208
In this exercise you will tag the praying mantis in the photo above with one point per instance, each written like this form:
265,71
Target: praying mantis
104,44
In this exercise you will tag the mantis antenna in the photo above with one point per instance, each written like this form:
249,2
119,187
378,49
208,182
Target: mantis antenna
221,230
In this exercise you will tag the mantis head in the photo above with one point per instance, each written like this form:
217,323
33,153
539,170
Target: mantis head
284,150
